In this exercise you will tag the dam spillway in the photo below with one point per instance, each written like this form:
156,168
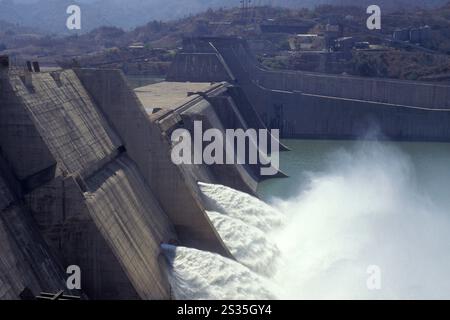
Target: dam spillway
86,176
87,180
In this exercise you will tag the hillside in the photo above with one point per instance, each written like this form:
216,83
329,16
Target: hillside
149,49
50,15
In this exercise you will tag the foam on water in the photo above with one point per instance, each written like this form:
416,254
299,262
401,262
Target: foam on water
367,208
242,206
199,275
249,245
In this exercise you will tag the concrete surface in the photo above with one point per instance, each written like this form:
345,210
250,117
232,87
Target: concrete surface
86,179
169,95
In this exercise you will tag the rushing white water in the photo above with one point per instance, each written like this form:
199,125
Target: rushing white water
367,208
242,206
249,245
203,275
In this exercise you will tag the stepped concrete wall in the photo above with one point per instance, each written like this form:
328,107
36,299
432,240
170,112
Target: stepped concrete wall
72,207
61,212
182,179
92,166
237,176
25,262
132,223
148,143
74,131
27,266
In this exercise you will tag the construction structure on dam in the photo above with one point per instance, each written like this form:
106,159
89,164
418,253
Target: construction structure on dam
86,176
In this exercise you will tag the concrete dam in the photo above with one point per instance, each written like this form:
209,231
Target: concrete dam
86,176
319,106
86,179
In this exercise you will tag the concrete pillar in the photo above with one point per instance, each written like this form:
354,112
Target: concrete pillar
36,66
4,62
29,67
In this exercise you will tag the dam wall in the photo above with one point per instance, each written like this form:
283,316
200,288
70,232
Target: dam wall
87,179
19,137
93,208
312,105
156,112
27,265
149,145
116,197
322,117
74,131
237,54
408,93
241,177
196,67
60,210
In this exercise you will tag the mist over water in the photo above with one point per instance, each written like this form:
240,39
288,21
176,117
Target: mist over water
367,207
367,204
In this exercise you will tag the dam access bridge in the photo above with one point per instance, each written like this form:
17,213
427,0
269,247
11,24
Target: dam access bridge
314,105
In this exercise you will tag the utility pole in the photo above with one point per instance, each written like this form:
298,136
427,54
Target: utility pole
245,6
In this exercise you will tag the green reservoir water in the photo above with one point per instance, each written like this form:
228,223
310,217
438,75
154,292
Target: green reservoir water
428,164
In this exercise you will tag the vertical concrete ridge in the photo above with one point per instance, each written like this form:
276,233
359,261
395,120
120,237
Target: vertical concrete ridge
21,144
96,211
27,266
66,118
132,223
149,147
217,113
112,194
61,212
